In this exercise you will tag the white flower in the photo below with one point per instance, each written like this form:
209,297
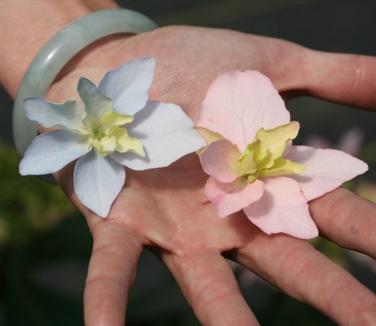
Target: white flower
118,126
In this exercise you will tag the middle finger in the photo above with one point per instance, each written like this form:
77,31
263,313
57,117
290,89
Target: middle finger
304,273
210,287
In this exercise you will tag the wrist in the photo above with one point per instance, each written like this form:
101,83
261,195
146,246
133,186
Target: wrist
88,63
26,31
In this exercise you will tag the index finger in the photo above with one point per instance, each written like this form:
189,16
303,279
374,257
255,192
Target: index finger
346,219
343,78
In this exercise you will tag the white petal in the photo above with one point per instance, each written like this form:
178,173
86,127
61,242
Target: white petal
50,152
167,134
97,182
67,115
128,86
325,169
96,104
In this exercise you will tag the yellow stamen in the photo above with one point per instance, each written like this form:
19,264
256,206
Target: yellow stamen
110,136
264,156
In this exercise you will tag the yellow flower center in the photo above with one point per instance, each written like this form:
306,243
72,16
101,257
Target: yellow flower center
264,156
108,135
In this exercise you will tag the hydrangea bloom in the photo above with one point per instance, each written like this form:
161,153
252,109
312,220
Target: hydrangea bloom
117,127
254,167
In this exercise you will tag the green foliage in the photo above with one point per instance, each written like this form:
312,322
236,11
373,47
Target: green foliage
27,204
368,153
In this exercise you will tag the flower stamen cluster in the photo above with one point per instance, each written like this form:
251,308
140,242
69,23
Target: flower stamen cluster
109,135
264,156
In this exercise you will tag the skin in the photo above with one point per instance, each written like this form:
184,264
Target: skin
166,211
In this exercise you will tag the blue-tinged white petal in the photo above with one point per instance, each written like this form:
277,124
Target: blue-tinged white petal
97,182
50,152
96,104
49,115
128,86
167,134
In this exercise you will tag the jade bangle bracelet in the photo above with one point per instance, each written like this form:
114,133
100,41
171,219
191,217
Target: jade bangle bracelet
57,52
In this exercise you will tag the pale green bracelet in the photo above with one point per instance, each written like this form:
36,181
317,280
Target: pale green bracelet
59,50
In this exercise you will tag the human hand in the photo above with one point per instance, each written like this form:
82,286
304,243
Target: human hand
164,209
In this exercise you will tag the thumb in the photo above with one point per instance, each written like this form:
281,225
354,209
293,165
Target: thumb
343,78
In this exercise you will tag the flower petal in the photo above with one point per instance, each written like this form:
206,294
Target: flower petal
167,134
238,104
209,136
282,209
125,143
67,115
324,169
276,139
128,86
50,152
113,119
96,104
97,182
282,167
219,160
229,198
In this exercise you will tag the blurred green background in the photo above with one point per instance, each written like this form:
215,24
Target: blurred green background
44,242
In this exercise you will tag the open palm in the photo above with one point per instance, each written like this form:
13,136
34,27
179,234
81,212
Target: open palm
166,208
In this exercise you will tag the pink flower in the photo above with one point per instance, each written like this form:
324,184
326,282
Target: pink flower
254,167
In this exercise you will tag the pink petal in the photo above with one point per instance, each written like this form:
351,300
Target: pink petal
240,103
325,169
282,209
219,159
228,198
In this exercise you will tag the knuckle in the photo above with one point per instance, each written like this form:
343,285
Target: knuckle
215,291
107,249
94,280
359,72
